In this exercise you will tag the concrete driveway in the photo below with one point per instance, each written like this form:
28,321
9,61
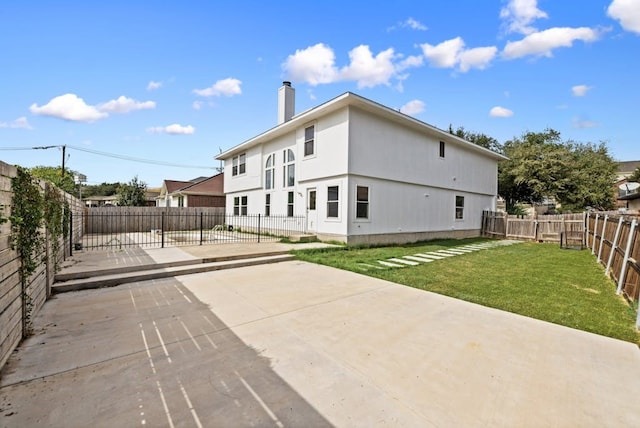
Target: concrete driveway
296,344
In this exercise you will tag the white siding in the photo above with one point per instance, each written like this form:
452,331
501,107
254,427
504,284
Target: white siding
382,148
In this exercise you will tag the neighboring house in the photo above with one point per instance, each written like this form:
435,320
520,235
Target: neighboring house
359,172
150,195
101,201
621,188
199,192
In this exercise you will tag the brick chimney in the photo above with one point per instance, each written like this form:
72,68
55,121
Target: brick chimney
286,102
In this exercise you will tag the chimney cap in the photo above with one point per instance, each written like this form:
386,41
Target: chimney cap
286,83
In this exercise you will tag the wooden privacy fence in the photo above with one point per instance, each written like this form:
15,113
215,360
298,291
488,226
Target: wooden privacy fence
18,305
543,228
615,240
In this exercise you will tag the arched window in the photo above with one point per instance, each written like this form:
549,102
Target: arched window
269,172
289,168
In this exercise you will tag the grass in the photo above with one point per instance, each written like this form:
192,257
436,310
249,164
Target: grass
543,281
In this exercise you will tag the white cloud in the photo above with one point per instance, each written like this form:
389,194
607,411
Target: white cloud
174,129
444,55
452,53
498,111
314,65
367,70
580,90
125,105
197,105
69,107
227,87
19,123
543,42
413,107
153,85
476,58
580,123
410,23
627,12
518,14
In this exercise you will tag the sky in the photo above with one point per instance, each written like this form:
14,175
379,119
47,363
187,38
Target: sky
155,90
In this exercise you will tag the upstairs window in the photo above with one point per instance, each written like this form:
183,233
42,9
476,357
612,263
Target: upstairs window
239,164
289,168
442,149
459,207
309,140
333,201
269,172
362,202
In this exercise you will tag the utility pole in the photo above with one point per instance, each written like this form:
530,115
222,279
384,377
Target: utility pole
64,149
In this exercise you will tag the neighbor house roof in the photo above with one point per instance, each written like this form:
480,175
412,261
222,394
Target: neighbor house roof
627,167
198,186
351,99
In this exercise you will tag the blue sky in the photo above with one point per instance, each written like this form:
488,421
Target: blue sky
175,82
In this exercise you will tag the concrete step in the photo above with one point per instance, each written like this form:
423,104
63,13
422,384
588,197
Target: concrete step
62,277
148,272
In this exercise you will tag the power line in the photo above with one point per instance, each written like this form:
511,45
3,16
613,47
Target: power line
112,155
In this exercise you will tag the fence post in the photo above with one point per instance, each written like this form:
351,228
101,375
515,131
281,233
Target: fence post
201,229
70,233
593,240
623,269
604,228
614,245
162,231
506,224
258,228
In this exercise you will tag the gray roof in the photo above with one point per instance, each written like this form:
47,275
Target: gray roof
628,166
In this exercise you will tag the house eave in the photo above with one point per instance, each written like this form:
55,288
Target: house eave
351,99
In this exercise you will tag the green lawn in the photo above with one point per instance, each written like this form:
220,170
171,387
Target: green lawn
542,281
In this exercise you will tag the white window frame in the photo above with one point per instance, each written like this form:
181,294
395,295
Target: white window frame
442,149
309,141
288,165
240,204
267,204
270,172
239,165
291,200
459,208
366,202
336,201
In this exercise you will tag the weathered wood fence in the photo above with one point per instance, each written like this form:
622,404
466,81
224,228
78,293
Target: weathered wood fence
16,304
543,228
615,240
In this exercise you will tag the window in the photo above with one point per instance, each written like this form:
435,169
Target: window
239,164
309,138
269,172
267,205
441,149
312,200
240,205
181,201
332,201
459,207
289,168
290,204
362,202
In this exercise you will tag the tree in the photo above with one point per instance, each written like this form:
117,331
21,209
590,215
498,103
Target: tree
536,168
53,174
540,166
104,189
477,138
635,177
592,172
132,194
